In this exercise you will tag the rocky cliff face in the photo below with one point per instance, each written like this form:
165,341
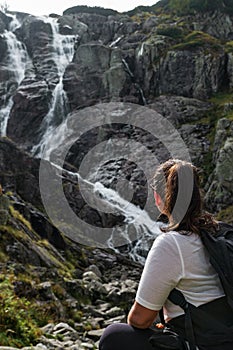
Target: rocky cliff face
79,59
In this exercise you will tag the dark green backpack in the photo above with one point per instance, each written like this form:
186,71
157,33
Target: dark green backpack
220,248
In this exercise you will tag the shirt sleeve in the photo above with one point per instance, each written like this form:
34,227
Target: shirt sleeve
162,271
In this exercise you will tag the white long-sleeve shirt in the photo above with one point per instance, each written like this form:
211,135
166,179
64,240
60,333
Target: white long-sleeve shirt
177,261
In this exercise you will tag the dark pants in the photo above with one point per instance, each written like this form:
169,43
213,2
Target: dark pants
121,336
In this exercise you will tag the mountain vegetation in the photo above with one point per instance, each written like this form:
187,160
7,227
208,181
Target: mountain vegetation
88,9
185,7
191,6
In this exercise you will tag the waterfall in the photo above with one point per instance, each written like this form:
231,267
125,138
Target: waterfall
15,23
137,86
145,230
16,61
141,50
135,235
132,239
115,42
63,51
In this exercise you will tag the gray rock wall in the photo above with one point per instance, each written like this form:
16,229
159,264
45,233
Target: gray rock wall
119,58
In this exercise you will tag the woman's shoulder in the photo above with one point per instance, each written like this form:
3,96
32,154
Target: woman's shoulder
165,239
177,237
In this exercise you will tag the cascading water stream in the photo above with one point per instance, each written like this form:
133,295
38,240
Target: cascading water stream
138,87
63,51
135,236
16,62
138,231
145,229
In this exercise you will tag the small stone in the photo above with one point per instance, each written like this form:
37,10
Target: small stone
90,276
95,334
95,269
86,346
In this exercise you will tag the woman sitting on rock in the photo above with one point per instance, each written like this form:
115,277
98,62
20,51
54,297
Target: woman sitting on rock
178,260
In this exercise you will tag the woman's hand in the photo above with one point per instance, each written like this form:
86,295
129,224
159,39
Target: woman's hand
141,317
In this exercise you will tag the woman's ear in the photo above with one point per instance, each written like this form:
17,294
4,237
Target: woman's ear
158,201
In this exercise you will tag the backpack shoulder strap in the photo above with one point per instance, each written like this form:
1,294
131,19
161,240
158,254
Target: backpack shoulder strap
208,329
177,298
220,248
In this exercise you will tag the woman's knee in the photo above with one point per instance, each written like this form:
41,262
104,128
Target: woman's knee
121,336
110,338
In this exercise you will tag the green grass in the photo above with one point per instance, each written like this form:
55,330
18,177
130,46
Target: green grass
141,17
229,46
207,165
197,39
213,115
17,326
171,31
14,232
222,98
229,115
16,214
223,102
226,215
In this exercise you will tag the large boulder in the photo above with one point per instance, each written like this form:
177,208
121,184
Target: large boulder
31,105
204,73
19,172
69,24
102,70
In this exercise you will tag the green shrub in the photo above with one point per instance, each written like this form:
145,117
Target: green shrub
197,39
139,10
189,6
183,7
90,9
226,215
221,98
229,46
17,326
173,32
16,214
180,6
212,5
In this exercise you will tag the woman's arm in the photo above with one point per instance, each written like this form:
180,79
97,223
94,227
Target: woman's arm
141,317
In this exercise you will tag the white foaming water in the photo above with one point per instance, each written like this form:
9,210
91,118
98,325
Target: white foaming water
58,105
138,231
16,61
17,55
5,113
136,84
145,230
63,46
135,235
115,42
141,51
63,51
15,23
